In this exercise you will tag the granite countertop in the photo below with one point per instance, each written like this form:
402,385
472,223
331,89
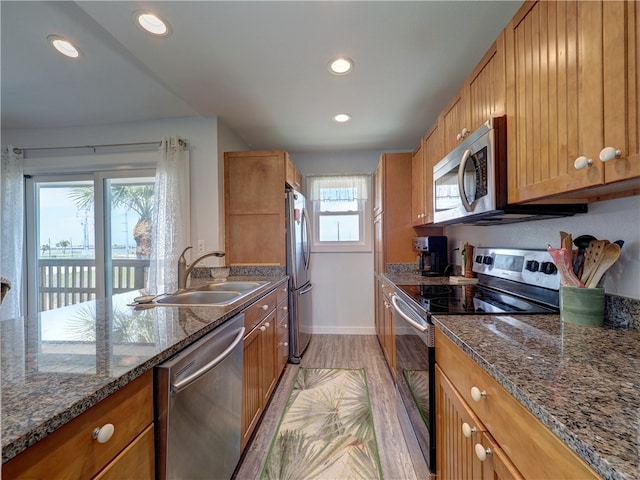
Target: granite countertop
582,382
60,363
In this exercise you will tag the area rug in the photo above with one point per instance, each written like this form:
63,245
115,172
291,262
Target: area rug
326,430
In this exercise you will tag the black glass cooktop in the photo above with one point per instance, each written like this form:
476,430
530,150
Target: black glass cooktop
461,299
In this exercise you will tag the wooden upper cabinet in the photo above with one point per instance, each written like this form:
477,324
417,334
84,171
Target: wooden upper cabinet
454,121
433,153
254,207
481,97
392,223
293,176
572,86
428,153
486,87
418,204
621,31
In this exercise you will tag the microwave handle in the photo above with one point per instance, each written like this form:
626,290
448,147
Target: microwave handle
463,194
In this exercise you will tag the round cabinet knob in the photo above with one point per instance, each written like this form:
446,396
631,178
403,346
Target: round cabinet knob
609,153
459,137
582,162
285,308
103,434
286,344
265,307
267,324
481,452
263,328
478,394
468,430
465,132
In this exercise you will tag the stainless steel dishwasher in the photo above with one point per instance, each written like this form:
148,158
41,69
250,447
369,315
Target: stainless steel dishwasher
198,406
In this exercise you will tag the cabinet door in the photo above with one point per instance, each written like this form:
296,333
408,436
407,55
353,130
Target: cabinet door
418,184
454,122
378,244
554,97
251,384
270,356
378,185
495,464
621,32
433,153
254,207
486,86
456,459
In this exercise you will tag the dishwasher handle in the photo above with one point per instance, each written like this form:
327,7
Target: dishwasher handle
185,382
410,321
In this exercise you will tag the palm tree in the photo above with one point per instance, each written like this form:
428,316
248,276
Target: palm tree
138,198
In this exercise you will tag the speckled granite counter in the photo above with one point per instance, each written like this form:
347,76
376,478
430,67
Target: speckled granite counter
583,383
60,363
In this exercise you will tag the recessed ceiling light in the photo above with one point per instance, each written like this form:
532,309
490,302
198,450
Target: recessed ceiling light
152,23
63,46
342,117
340,65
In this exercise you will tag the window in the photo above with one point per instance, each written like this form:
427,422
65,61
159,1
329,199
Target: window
88,236
340,213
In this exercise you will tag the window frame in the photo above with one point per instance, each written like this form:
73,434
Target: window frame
364,245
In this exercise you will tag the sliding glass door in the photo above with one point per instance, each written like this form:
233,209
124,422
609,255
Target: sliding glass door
88,236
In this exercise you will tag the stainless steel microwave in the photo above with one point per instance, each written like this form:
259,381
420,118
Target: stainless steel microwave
470,183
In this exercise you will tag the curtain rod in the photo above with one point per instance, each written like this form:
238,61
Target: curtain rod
93,147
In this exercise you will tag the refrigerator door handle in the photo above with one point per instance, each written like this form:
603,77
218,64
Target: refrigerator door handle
306,290
305,243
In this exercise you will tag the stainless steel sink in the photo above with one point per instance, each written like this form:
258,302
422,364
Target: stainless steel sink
233,286
211,294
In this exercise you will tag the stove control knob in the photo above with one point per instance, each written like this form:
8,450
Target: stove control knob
549,268
532,265
487,260
478,258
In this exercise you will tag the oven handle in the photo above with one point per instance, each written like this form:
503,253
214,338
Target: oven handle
417,326
461,169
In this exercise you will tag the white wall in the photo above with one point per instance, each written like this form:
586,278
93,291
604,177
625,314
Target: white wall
343,287
611,220
200,132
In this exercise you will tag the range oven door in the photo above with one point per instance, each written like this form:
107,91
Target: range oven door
463,181
415,370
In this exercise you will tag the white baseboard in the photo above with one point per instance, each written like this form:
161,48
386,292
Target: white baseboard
340,330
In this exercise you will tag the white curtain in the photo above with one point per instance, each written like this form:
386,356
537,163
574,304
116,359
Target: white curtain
11,233
338,187
171,224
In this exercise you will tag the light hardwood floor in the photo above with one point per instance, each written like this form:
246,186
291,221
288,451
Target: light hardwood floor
341,351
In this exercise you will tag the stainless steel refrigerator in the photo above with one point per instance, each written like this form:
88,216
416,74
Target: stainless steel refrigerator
298,259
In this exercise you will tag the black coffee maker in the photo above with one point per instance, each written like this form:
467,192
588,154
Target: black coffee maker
432,258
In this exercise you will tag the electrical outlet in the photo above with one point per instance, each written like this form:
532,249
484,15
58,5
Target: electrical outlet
200,246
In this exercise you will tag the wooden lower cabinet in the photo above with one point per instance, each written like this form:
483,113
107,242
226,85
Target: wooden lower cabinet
282,330
263,359
458,431
71,451
516,444
384,322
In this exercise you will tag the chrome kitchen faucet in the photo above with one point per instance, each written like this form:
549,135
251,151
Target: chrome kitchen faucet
184,270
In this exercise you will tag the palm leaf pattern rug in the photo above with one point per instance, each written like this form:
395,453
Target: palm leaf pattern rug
326,430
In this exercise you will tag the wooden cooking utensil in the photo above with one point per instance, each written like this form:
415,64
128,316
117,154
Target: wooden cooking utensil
592,256
609,256
566,241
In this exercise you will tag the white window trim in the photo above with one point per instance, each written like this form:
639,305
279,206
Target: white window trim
362,246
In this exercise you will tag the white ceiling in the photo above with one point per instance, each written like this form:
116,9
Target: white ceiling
261,67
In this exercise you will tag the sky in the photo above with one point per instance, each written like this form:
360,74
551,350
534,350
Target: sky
61,220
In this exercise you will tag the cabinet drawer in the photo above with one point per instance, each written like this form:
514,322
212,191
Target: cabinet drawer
71,452
136,461
256,312
518,433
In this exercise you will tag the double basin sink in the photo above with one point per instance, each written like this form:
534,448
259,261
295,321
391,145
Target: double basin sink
211,294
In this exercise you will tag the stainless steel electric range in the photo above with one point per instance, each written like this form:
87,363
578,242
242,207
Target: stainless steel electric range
510,282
